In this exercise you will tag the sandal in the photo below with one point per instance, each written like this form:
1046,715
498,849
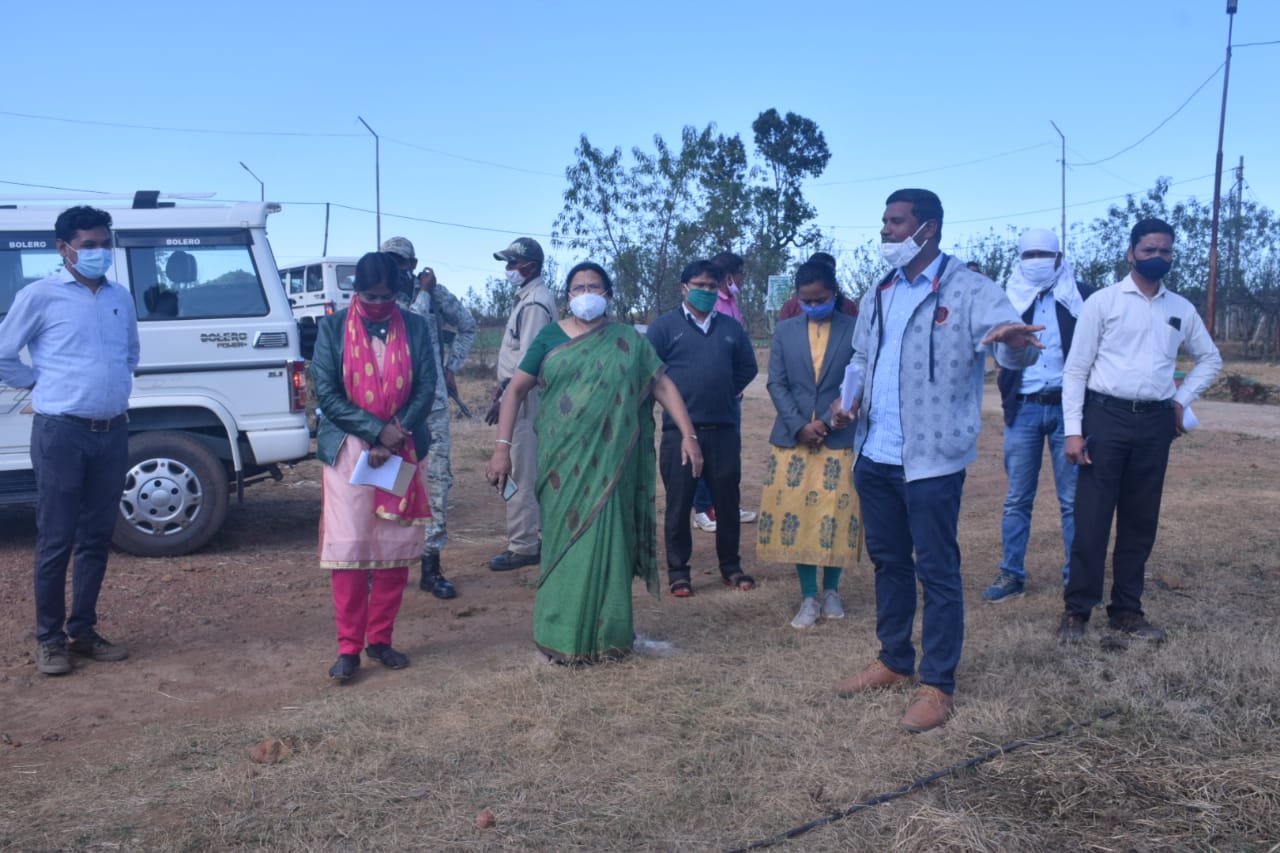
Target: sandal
740,581
681,589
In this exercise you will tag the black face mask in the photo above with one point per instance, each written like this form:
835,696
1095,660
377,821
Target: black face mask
1152,269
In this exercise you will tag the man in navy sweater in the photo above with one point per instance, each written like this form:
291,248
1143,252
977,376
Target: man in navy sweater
709,357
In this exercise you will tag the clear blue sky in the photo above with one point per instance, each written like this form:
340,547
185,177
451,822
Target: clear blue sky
496,94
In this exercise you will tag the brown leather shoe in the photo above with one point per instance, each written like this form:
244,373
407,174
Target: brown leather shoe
929,709
877,676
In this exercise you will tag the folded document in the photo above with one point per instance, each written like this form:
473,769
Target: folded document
392,476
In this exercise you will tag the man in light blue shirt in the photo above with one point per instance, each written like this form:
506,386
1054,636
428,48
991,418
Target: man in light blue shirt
81,330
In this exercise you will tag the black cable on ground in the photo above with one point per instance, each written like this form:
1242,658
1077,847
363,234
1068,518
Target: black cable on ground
921,782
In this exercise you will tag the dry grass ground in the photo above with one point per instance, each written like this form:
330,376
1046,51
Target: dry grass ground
733,734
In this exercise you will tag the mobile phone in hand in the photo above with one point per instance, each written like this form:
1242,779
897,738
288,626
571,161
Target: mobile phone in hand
509,490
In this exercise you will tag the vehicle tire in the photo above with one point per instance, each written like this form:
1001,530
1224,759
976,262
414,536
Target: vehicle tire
175,496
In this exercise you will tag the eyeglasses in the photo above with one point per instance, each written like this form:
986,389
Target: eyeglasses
579,289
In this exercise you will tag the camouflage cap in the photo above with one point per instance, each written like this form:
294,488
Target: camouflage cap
523,249
399,246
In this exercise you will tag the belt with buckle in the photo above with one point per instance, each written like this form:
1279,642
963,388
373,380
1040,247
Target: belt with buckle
1044,398
94,425
1135,406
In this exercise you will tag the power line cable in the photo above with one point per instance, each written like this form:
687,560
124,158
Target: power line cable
472,159
209,131
1025,212
59,189
1158,126
933,169
408,218
1254,44
1059,207
213,131
1121,178
336,204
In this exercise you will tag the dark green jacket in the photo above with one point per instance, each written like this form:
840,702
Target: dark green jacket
341,417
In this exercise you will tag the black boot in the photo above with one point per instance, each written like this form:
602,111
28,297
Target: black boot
432,581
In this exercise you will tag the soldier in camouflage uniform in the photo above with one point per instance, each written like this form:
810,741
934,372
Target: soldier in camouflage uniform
442,311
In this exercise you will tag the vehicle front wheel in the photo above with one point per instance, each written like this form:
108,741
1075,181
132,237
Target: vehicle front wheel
175,496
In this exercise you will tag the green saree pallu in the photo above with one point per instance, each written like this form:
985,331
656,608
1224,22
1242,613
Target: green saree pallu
596,490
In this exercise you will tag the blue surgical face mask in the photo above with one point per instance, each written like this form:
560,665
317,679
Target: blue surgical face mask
92,263
1152,269
818,312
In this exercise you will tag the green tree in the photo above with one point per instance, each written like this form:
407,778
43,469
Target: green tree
646,215
645,219
792,148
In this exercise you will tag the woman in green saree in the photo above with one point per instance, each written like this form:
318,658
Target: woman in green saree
596,489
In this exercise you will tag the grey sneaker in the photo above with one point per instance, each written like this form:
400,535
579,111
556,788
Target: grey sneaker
808,614
52,658
1005,588
94,645
831,606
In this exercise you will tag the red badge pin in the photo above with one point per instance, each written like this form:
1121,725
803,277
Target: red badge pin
940,314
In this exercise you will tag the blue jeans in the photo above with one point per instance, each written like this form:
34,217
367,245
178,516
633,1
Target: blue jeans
911,537
1024,443
79,477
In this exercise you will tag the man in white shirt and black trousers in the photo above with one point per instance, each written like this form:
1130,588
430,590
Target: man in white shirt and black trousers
1122,411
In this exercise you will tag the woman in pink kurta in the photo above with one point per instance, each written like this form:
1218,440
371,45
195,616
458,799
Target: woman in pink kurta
374,381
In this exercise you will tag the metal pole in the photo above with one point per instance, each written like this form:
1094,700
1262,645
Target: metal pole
262,188
377,175
1211,307
325,252
1064,185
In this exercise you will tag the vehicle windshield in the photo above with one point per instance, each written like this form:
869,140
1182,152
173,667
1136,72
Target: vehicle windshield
212,275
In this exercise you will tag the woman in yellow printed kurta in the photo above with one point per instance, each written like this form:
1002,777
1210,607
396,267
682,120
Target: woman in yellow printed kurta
809,511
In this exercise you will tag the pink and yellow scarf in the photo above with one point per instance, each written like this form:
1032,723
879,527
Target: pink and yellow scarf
382,393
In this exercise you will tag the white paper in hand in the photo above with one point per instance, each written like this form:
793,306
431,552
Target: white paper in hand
1189,419
851,390
386,476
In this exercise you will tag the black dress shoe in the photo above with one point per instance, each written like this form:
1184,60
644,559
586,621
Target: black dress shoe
387,656
345,667
432,581
508,560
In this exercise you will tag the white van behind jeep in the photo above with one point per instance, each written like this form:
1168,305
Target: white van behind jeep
316,288
219,395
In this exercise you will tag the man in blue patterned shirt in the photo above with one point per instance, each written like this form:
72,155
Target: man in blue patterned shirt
922,340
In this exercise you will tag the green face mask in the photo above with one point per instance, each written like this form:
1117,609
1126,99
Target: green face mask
702,300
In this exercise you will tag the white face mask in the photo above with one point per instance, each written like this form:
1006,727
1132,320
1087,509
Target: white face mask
1038,271
898,255
588,306
514,278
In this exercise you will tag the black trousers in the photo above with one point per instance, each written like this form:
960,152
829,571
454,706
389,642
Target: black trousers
721,471
1130,452
79,477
